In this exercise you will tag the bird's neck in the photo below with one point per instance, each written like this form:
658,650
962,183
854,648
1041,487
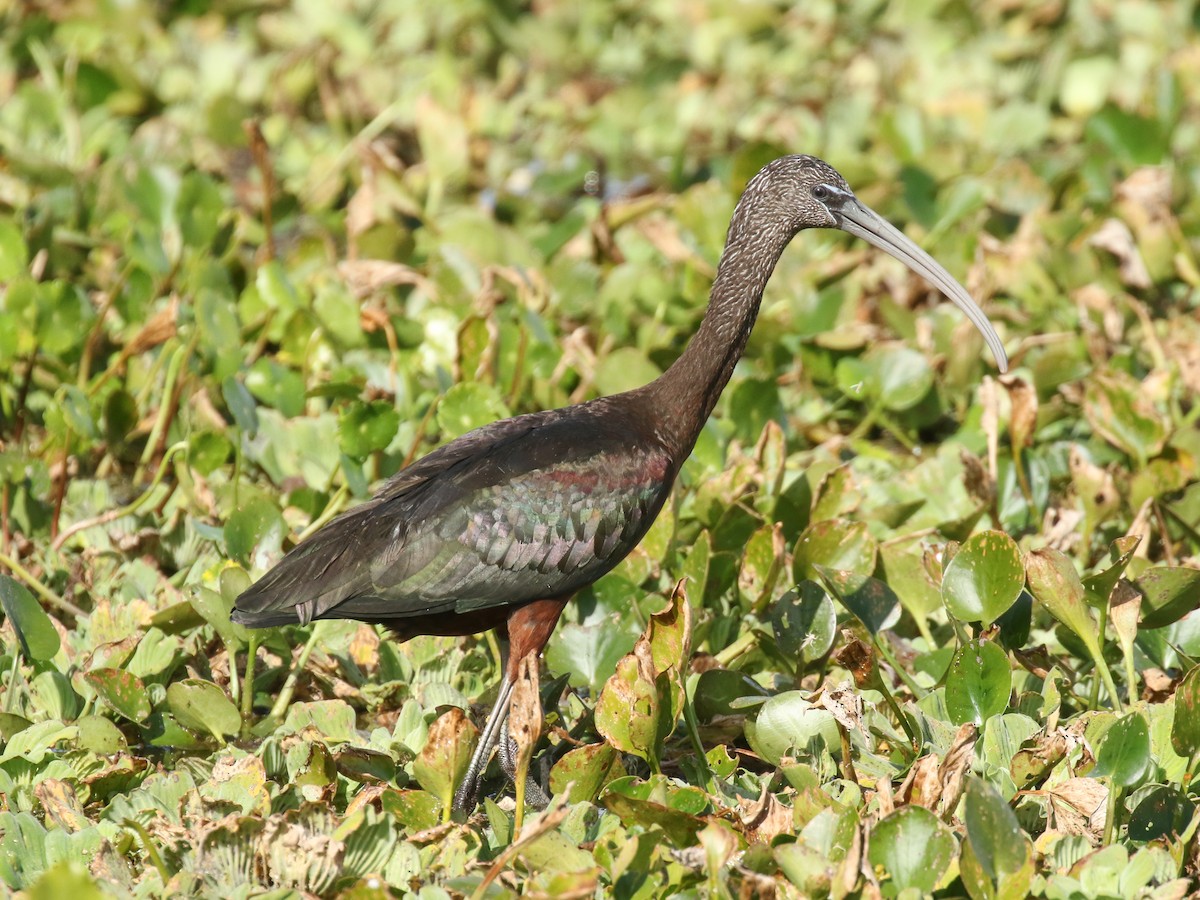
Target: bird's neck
681,400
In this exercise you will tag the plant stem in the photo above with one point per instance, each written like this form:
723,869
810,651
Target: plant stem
248,681
289,686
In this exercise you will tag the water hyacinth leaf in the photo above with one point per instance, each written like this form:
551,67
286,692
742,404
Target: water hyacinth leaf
469,405
202,707
984,578
835,544
718,691
38,637
584,771
804,622
588,653
1055,584
125,693
1099,585
240,403
669,633
913,847
1123,753
1185,729
443,761
1163,814
993,832
251,524
364,428
902,374
904,570
872,602
1168,594
414,810
1118,410
628,707
979,683
787,722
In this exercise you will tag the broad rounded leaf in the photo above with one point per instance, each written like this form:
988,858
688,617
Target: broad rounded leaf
1123,753
201,706
804,622
984,578
583,772
468,405
872,602
250,525
835,544
979,683
788,722
123,692
366,427
1162,814
902,374
35,631
443,761
1000,845
1168,594
913,847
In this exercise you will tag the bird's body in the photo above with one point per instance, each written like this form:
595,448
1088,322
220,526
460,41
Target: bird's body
501,527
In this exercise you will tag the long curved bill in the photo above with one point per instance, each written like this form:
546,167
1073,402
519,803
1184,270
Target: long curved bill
859,220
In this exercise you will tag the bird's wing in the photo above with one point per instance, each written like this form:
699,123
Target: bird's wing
532,507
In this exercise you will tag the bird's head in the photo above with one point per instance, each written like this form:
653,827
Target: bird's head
805,192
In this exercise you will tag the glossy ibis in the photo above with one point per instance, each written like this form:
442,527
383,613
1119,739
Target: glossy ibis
499,528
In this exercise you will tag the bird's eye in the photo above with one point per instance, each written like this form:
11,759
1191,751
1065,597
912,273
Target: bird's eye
821,192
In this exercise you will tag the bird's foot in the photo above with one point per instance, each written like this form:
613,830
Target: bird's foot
535,795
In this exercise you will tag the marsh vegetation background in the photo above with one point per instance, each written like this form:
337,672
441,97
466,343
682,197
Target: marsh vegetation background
254,257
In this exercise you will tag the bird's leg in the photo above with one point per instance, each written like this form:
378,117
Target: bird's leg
535,794
467,794
529,627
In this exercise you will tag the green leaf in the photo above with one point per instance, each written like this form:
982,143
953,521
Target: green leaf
251,524
836,544
469,405
1163,814
122,691
1100,584
367,427
902,374
1168,594
1185,728
35,631
717,691
99,735
872,602
984,578
202,707
1123,753
913,848
788,722
804,622
996,837
584,771
979,683
14,254
1055,584
588,653
442,762
627,710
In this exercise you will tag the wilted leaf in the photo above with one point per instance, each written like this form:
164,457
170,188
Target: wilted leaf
443,760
